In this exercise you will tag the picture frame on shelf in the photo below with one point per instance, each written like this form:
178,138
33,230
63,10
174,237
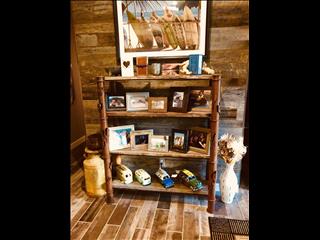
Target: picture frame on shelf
116,103
140,139
158,143
179,140
199,139
200,99
119,137
157,104
179,99
160,28
137,101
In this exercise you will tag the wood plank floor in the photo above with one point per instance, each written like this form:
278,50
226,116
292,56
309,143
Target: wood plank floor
146,215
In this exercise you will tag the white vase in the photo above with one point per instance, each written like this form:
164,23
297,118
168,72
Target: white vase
228,184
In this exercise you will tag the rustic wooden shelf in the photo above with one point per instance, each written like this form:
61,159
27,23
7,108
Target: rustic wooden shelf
156,115
164,84
189,154
155,186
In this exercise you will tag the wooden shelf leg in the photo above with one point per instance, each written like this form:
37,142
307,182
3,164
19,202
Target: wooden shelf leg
105,139
214,127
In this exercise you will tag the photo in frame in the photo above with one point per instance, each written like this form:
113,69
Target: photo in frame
199,139
157,104
116,103
161,28
179,140
140,139
119,137
179,99
200,99
158,143
137,101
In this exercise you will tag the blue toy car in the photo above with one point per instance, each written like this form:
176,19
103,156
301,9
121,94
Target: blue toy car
164,178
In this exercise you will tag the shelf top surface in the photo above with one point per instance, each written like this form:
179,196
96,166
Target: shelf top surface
151,77
158,114
189,154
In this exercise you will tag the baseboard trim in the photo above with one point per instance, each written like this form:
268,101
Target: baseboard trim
77,142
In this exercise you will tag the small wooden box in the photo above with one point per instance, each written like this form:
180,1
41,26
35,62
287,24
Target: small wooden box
142,66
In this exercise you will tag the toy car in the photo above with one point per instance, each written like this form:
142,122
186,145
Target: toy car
164,178
190,180
124,174
143,177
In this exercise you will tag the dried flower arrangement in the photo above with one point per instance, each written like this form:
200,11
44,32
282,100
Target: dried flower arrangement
231,149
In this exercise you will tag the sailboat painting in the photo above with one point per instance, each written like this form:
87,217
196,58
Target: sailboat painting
161,28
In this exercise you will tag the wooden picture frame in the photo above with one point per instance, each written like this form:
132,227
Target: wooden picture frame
158,143
157,104
179,140
179,99
116,103
182,31
137,101
199,139
140,139
119,137
200,99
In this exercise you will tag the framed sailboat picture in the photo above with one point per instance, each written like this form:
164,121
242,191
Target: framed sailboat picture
160,28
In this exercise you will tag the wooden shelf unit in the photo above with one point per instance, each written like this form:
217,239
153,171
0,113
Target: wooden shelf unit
209,185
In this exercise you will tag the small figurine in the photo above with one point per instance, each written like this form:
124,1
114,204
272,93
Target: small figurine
124,174
164,178
190,180
206,69
184,68
143,177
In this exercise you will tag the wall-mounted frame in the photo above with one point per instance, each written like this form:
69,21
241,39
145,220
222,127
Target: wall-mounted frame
160,28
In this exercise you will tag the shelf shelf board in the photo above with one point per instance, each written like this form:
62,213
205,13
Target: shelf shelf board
156,115
151,77
189,154
155,186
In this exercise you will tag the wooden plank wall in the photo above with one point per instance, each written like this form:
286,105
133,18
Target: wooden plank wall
229,47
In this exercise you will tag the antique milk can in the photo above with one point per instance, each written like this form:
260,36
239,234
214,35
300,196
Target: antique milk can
94,173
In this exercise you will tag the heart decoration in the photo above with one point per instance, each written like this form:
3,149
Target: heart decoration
126,63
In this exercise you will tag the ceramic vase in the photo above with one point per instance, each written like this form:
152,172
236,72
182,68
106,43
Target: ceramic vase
228,184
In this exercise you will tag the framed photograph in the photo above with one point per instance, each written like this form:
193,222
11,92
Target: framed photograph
179,99
179,140
116,103
137,101
200,99
158,143
157,104
160,28
119,137
199,139
140,139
